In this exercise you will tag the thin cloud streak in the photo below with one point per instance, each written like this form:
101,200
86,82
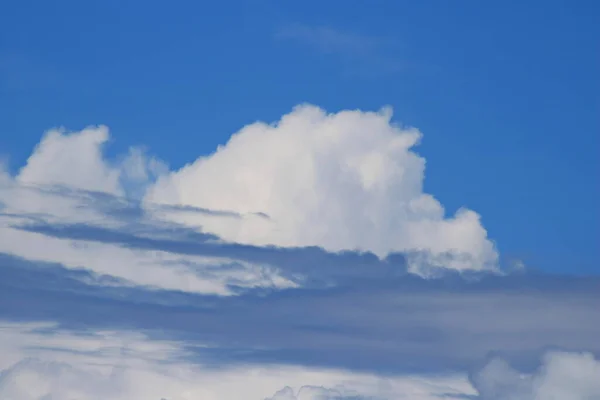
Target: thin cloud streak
361,55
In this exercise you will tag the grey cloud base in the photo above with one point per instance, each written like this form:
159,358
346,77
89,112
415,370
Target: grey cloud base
405,325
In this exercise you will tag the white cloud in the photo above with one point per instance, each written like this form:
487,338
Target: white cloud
341,181
76,160
138,170
348,180
562,376
72,159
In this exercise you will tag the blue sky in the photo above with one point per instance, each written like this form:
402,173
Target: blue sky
338,238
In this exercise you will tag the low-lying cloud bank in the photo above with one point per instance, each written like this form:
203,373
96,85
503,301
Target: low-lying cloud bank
41,361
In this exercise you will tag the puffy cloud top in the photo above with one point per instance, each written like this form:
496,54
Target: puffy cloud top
72,159
347,180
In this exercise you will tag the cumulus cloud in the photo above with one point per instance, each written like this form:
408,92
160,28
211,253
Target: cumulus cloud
75,160
337,181
348,180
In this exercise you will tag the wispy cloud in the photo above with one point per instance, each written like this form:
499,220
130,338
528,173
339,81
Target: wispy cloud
330,40
360,53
